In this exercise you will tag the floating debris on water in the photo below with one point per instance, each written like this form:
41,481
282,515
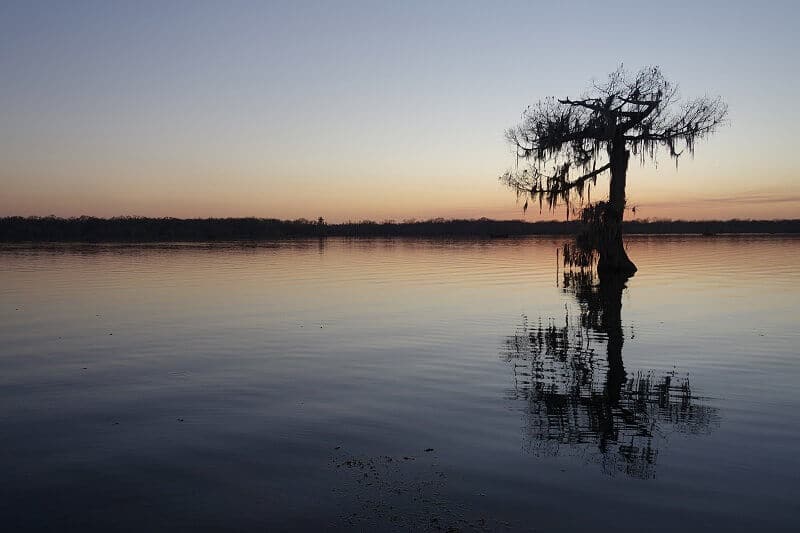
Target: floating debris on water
403,495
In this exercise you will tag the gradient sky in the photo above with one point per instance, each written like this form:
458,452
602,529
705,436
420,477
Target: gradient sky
352,110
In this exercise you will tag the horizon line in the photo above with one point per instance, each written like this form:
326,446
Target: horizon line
410,220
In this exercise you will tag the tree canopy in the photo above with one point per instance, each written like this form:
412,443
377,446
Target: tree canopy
566,144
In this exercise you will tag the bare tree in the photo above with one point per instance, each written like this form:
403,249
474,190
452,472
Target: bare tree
566,144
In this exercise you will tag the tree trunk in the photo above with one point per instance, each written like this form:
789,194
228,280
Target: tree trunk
613,258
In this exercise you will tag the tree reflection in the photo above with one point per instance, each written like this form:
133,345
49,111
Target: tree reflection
581,403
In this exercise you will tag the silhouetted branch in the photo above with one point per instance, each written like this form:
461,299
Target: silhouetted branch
552,187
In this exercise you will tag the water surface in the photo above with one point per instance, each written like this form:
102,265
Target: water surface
396,385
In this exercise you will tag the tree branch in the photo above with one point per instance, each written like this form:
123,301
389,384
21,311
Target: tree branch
530,183
597,106
637,117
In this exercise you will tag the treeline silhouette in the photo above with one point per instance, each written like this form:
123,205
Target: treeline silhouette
141,229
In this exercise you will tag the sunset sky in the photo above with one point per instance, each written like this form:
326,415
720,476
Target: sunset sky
378,110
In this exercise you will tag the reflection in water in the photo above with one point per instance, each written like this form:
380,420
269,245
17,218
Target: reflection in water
211,334
581,403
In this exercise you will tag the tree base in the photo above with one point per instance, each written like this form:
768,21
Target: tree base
616,264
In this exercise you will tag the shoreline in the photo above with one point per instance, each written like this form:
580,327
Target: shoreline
171,230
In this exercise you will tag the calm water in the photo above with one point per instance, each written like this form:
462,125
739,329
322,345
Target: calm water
399,385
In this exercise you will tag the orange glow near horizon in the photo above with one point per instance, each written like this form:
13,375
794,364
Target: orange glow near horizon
499,207
341,200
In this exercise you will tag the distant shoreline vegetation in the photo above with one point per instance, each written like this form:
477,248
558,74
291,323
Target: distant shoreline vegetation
141,229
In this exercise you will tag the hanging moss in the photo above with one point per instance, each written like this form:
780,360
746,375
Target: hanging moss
562,146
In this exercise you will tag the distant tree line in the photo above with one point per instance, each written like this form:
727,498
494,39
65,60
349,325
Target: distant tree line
140,229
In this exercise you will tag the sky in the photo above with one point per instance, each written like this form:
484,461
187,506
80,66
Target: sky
370,110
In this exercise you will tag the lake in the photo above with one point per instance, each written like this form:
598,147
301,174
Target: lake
399,385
